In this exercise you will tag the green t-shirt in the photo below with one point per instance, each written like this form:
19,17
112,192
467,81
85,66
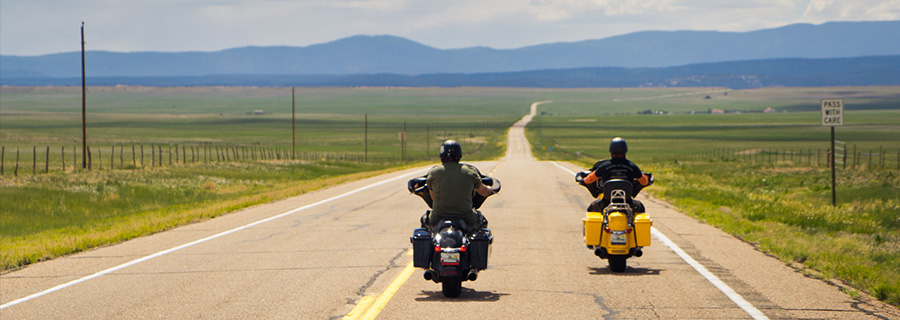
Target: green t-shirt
453,185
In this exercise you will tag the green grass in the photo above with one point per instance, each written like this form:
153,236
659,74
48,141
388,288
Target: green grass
331,120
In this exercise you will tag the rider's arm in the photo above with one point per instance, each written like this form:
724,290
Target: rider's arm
485,190
643,180
591,178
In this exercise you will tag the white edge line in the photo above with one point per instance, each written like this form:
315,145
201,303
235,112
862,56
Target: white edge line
734,296
218,235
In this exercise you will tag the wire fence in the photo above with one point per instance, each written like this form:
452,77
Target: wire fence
846,157
41,160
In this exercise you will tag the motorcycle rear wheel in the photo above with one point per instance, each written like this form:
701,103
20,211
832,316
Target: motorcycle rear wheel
451,288
617,263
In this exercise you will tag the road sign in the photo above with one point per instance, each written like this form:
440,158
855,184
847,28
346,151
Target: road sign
832,112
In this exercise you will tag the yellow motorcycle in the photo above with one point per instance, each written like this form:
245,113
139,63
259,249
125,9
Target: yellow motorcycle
612,228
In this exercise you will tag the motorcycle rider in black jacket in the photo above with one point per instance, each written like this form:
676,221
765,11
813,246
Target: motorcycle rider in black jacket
617,167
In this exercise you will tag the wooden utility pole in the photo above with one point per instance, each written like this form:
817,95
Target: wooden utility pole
293,129
83,105
403,143
366,138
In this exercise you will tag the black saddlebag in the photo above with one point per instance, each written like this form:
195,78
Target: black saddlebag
423,248
480,248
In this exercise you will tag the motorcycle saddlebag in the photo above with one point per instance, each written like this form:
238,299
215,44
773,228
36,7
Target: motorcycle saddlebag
642,224
423,248
480,248
593,228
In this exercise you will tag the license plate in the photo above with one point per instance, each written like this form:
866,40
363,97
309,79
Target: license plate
617,239
450,258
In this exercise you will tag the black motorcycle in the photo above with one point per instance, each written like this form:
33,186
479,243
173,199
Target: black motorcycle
454,252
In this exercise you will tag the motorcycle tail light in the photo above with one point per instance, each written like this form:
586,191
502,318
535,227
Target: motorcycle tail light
437,248
629,230
462,249
607,230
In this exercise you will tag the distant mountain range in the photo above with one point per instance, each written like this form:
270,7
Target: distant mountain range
861,51
789,72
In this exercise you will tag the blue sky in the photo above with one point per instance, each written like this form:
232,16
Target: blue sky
35,27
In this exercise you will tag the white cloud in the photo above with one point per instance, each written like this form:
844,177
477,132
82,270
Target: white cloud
831,10
44,26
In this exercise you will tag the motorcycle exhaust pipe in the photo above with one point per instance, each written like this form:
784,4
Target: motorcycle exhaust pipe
429,275
473,275
601,252
638,252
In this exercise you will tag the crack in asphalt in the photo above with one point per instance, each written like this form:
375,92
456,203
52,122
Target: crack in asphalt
598,300
858,306
393,264
362,290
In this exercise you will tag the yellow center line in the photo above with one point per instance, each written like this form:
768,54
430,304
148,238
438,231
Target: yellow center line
359,309
386,296
369,310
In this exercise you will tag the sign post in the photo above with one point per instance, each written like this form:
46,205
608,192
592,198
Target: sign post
832,116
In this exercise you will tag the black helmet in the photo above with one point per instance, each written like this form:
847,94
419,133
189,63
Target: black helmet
618,146
450,151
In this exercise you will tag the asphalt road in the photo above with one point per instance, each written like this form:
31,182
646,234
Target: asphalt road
344,252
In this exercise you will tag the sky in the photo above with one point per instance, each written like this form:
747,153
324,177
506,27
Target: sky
37,27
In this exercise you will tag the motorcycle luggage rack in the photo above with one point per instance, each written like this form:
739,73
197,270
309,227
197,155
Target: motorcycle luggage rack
618,207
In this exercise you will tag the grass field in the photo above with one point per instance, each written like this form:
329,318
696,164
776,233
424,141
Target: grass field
327,119
715,167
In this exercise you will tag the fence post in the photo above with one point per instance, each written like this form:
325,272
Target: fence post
16,172
870,159
62,151
881,155
47,161
112,158
90,159
33,160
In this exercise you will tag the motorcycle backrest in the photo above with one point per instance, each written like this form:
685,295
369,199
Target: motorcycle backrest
617,191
